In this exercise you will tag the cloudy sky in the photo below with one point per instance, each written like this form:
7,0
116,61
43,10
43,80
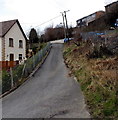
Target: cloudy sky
32,13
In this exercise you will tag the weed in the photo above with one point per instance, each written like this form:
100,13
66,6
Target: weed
97,78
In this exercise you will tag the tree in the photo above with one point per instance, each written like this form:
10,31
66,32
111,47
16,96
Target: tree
33,37
52,33
43,38
70,32
49,34
77,37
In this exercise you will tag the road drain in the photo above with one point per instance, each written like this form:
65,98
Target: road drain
59,113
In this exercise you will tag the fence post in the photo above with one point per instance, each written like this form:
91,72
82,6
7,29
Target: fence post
105,38
41,54
23,69
11,73
33,60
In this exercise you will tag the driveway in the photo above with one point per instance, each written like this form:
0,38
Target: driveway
50,93
57,41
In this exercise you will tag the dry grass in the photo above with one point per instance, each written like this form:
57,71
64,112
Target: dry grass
98,79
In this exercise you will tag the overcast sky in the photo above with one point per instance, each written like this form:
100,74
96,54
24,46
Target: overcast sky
32,13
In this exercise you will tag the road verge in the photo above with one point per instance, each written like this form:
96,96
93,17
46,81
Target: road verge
97,78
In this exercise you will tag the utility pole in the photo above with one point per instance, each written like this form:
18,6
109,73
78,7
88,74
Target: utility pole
65,23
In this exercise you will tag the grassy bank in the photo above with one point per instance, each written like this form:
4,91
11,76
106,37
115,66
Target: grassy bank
98,79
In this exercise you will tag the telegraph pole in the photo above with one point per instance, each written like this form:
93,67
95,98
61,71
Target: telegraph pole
67,34
65,24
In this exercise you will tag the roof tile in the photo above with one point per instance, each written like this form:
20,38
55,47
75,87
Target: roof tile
5,26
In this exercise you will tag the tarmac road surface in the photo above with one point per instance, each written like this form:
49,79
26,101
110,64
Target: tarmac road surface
50,93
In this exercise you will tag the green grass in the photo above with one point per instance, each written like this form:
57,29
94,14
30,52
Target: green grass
67,51
101,101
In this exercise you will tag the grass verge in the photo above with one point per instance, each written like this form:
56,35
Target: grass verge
98,79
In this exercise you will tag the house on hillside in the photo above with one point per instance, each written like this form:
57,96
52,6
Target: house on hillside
112,12
112,7
87,19
12,43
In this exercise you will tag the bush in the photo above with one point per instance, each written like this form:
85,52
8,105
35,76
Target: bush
99,52
6,81
105,51
77,38
17,72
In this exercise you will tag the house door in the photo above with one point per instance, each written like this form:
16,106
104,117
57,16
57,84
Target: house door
11,57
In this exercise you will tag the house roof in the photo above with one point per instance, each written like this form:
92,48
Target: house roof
90,15
5,26
116,2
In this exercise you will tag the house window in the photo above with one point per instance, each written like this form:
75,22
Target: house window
20,56
10,42
11,57
20,44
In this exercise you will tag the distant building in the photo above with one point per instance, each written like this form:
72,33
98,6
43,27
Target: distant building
111,8
86,20
116,23
112,13
12,41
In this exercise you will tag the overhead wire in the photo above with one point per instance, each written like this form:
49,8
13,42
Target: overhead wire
46,22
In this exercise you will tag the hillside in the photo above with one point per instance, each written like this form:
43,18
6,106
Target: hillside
97,73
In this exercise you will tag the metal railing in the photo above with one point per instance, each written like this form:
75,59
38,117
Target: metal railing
15,76
110,41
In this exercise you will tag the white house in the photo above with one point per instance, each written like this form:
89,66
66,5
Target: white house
12,41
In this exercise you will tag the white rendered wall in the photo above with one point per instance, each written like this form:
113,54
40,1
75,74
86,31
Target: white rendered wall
17,35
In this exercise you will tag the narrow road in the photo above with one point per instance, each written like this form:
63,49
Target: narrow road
50,93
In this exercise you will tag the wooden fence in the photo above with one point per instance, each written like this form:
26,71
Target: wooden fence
7,64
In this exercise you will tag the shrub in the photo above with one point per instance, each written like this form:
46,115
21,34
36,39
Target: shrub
99,52
6,81
17,72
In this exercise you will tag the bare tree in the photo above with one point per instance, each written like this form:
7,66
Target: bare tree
77,37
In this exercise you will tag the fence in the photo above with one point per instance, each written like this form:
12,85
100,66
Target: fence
103,38
15,76
7,64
